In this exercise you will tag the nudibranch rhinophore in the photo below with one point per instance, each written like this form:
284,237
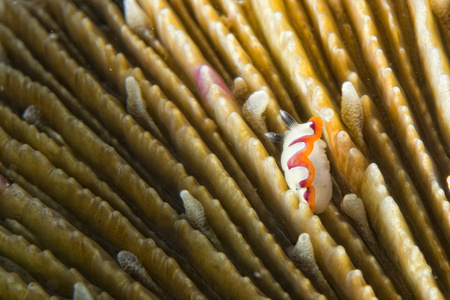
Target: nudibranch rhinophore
304,161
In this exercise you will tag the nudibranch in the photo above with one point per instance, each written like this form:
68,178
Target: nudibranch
304,161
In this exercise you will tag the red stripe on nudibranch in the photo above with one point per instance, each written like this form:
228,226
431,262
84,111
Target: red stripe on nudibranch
310,197
301,159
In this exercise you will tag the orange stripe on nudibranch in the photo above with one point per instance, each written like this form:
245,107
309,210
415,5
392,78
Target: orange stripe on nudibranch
316,125
304,161
310,197
301,158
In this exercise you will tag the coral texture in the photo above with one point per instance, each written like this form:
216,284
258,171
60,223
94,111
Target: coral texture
134,161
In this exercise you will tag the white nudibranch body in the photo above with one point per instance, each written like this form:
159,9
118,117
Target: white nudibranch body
304,161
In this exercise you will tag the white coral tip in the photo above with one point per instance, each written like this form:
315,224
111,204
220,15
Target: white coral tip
257,103
134,15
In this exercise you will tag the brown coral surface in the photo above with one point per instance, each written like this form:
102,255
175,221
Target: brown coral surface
134,162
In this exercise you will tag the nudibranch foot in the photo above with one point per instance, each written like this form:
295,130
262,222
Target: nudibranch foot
304,161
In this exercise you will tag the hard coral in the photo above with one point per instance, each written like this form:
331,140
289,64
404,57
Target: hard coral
138,107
